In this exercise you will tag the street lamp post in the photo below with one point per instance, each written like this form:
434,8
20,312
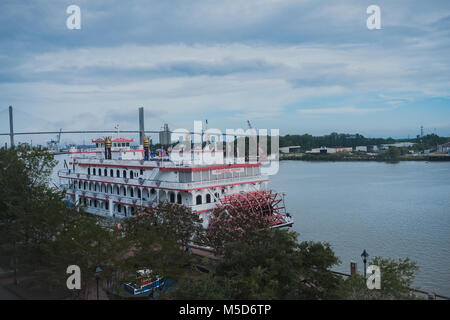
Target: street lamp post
97,277
364,255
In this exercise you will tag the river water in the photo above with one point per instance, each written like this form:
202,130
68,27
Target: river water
391,210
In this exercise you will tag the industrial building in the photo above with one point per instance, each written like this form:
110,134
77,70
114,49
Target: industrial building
443,148
398,145
366,148
290,149
325,150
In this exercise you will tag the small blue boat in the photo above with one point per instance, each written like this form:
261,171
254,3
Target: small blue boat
146,283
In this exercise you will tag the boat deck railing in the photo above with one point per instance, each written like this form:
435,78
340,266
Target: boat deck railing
164,163
162,184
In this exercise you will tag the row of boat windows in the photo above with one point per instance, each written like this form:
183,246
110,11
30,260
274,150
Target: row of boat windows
198,199
109,189
124,174
132,193
105,205
125,191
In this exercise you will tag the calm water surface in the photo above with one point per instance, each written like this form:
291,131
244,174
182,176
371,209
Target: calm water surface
391,210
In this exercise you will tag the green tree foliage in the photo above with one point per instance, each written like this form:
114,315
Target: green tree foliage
430,141
157,237
24,174
39,234
396,281
391,155
201,287
272,266
307,141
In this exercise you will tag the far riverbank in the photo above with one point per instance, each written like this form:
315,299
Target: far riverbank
360,157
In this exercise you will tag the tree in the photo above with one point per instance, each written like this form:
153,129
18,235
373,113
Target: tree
396,281
225,227
24,177
317,259
271,266
40,234
157,237
201,287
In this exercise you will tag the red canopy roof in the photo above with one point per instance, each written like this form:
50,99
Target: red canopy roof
100,140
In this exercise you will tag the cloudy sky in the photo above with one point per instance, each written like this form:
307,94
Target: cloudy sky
303,66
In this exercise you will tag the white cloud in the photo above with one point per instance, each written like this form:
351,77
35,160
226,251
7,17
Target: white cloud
339,110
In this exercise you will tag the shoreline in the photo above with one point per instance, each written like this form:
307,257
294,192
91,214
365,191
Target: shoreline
346,158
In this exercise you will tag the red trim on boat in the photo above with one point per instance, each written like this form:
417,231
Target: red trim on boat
222,166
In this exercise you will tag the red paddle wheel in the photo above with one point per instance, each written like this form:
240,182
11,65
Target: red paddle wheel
266,203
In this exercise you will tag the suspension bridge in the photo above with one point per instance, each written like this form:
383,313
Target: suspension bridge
141,130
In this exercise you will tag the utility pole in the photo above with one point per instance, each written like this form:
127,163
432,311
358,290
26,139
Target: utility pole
141,126
11,127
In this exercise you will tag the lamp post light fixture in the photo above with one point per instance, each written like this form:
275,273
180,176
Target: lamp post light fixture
364,256
98,270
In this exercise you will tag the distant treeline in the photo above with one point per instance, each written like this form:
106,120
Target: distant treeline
307,141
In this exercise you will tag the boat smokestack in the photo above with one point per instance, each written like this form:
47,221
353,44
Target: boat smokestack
146,148
108,145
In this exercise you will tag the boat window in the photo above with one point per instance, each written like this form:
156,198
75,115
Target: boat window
118,173
131,193
124,173
99,172
105,173
106,205
119,208
93,171
199,199
179,198
131,175
208,198
89,170
142,172
172,197
124,191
